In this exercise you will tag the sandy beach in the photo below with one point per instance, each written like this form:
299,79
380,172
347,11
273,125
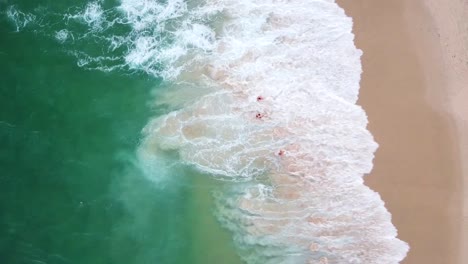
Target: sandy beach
415,67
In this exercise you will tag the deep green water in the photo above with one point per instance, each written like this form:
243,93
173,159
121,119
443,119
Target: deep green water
69,189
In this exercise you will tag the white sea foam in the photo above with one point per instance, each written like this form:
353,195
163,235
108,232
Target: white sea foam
62,35
165,36
283,122
19,18
92,15
163,40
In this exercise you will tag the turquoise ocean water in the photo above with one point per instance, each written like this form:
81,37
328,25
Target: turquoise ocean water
70,191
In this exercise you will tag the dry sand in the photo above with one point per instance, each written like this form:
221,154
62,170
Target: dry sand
415,91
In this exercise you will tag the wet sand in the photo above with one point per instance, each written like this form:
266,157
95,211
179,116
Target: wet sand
412,90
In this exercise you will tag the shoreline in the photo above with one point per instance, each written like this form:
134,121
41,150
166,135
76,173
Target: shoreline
416,120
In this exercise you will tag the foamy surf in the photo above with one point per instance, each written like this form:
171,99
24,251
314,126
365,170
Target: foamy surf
276,115
283,120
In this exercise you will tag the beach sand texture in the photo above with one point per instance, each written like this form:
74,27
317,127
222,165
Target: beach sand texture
414,90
